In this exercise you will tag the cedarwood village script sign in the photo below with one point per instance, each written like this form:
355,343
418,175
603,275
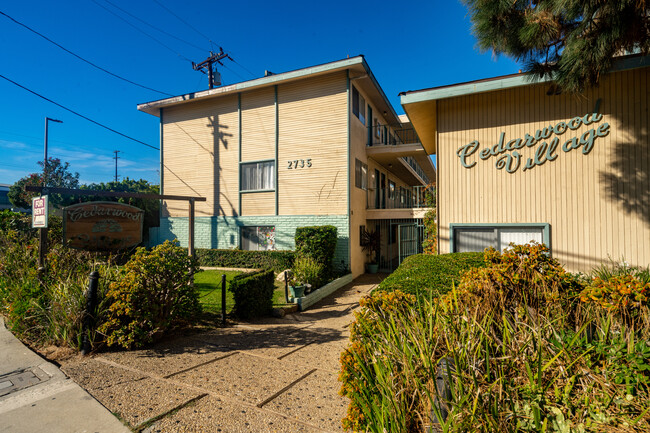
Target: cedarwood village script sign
509,158
102,226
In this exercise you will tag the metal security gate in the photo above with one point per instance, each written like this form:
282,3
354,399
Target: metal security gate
408,240
397,242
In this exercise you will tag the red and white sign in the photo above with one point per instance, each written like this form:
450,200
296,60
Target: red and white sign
39,212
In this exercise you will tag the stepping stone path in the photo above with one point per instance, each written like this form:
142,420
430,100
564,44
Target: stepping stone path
274,375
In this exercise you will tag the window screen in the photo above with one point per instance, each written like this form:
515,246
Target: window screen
519,236
256,176
468,239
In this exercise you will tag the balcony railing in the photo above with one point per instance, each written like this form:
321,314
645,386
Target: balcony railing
383,135
416,167
400,197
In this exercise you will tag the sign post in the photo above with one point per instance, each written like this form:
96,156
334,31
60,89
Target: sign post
39,221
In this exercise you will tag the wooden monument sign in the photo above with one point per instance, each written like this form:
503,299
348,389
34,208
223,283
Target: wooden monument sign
102,226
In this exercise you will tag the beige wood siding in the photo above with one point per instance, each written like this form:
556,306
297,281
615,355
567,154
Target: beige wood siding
360,198
258,203
312,125
200,145
258,124
597,204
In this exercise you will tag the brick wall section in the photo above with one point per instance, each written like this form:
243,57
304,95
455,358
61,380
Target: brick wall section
223,232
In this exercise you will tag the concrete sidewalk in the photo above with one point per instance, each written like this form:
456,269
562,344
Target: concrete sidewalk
275,375
35,396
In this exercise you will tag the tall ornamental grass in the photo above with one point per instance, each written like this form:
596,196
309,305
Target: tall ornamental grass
517,347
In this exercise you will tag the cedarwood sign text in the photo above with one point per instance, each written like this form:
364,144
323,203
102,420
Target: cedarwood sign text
507,153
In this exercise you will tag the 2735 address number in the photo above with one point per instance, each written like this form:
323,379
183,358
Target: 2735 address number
299,163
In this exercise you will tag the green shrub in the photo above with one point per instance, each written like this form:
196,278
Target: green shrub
319,243
21,223
423,273
615,269
511,366
276,260
375,376
153,294
15,221
48,308
253,293
308,271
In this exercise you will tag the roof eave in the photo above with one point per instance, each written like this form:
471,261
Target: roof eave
154,107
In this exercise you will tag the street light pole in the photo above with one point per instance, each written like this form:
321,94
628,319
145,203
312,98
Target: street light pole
47,119
42,232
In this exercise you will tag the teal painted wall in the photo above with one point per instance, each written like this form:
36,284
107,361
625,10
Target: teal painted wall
223,232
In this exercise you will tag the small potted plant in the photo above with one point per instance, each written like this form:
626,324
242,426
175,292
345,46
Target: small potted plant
370,243
306,275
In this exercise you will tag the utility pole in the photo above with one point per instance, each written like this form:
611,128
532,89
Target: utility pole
208,64
116,158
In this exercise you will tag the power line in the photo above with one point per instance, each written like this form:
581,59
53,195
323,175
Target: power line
141,31
84,146
154,27
203,35
77,114
242,66
81,58
183,21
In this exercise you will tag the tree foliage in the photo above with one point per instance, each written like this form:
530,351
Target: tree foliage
151,207
574,42
56,174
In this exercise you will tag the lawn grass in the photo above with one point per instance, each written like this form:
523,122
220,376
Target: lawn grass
208,284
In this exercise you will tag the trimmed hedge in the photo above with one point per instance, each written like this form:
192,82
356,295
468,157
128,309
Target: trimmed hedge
319,243
276,260
423,273
253,293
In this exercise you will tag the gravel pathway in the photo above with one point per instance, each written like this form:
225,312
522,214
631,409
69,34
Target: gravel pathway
274,375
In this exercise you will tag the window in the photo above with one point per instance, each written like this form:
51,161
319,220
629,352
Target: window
258,238
360,174
361,230
478,238
358,105
258,176
391,190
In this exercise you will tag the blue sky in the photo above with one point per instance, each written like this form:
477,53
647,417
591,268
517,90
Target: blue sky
409,45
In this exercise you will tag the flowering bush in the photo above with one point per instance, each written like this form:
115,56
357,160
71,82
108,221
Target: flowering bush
623,296
523,276
511,350
154,293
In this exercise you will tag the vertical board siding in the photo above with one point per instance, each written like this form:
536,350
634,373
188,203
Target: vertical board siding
201,156
598,205
259,203
258,124
312,125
